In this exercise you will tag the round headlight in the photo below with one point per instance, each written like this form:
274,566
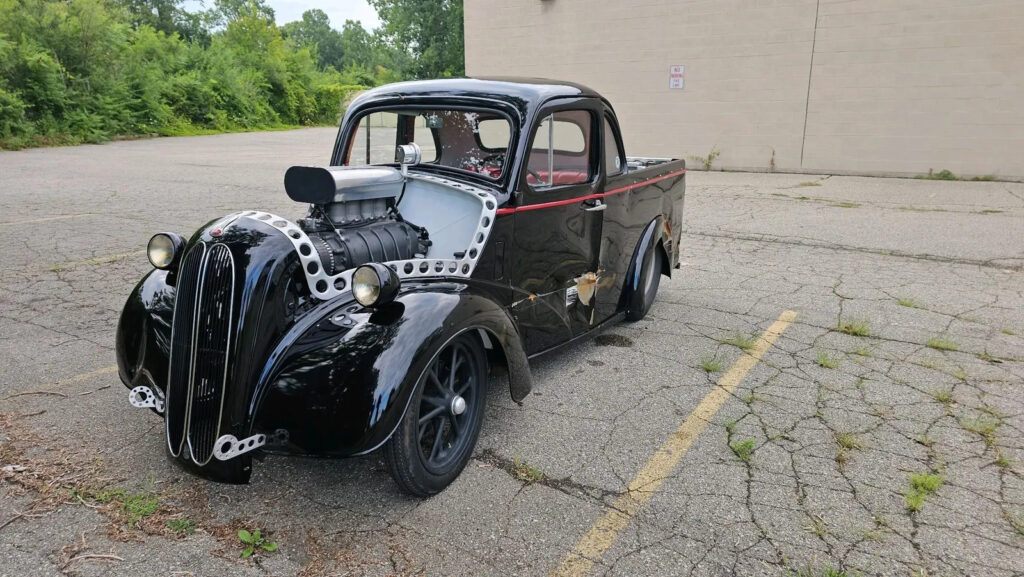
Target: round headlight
374,284
163,249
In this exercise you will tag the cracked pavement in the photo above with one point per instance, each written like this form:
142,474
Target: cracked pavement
831,426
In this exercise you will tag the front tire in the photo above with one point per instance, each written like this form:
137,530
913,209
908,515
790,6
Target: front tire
436,437
642,297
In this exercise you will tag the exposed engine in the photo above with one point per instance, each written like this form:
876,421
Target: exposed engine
354,219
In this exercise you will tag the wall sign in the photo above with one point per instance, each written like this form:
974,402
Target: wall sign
675,76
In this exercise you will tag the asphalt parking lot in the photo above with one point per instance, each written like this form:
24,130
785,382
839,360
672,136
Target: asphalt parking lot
832,380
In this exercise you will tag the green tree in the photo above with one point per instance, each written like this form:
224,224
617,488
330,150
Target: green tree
430,31
314,31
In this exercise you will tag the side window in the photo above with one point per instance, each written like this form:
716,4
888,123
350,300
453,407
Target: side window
612,161
560,151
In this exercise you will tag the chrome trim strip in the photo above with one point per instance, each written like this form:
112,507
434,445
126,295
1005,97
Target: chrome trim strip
170,362
227,356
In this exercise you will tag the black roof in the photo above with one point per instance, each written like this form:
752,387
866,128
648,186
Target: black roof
531,90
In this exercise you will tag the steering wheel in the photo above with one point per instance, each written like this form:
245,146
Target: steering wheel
496,159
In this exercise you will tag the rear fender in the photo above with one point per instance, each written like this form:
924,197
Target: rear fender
654,233
340,383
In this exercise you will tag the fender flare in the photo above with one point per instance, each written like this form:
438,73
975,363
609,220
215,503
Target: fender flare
654,233
361,378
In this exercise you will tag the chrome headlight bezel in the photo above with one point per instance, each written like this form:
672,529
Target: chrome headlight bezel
164,250
374,284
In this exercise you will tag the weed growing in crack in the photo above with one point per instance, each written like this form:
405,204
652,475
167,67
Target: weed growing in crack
987,357
744,450
1002,461
960,373
182,527
526,473
1015,521
848,441
730,426
926,441
710,364
1008,332
906,302
922,486
255,542
745,342
875,535
862,351
845,204
942,344
817,526
827,361
859,328
749,399
809,183
822,571
945,397
984,426
706,161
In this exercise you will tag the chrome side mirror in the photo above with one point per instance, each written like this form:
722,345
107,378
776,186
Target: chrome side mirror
407,155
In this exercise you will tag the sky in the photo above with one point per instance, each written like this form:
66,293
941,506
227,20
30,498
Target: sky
337,10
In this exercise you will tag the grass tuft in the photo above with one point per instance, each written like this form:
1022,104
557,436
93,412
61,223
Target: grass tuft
809,183
858,328
848,441
710,364
822,571
984,426
942,344
945,396
827,361
905,302
743,449
940,175
1007,332
182,527
745,342
527,473
922,486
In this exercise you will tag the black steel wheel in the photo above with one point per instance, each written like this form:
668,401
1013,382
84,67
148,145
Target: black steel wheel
436,437
642,297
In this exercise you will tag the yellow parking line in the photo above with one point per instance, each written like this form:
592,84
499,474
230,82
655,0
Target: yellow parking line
606,529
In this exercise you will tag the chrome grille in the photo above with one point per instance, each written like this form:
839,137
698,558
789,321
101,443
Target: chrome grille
180,363
201,341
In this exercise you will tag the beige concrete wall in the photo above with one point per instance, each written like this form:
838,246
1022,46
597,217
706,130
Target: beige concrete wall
874,86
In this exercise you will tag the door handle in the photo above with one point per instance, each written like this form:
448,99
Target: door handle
596,206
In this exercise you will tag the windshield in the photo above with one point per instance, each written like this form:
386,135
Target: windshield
470,140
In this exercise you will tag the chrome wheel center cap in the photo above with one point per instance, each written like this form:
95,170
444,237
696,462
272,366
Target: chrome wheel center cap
458,405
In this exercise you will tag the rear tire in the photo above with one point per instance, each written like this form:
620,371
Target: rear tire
434,440
641,298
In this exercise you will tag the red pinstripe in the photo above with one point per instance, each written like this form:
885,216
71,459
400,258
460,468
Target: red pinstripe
586,197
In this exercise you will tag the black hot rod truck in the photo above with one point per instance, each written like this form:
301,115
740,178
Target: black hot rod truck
510,222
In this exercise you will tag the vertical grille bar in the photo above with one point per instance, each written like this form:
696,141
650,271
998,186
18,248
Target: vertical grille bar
180,363
212,343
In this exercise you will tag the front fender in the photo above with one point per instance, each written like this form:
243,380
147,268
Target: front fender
340,383
143,339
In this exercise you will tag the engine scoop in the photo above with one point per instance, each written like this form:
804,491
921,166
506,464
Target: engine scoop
320,185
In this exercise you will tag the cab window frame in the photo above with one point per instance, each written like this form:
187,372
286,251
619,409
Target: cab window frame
351,131
610,122
591,151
